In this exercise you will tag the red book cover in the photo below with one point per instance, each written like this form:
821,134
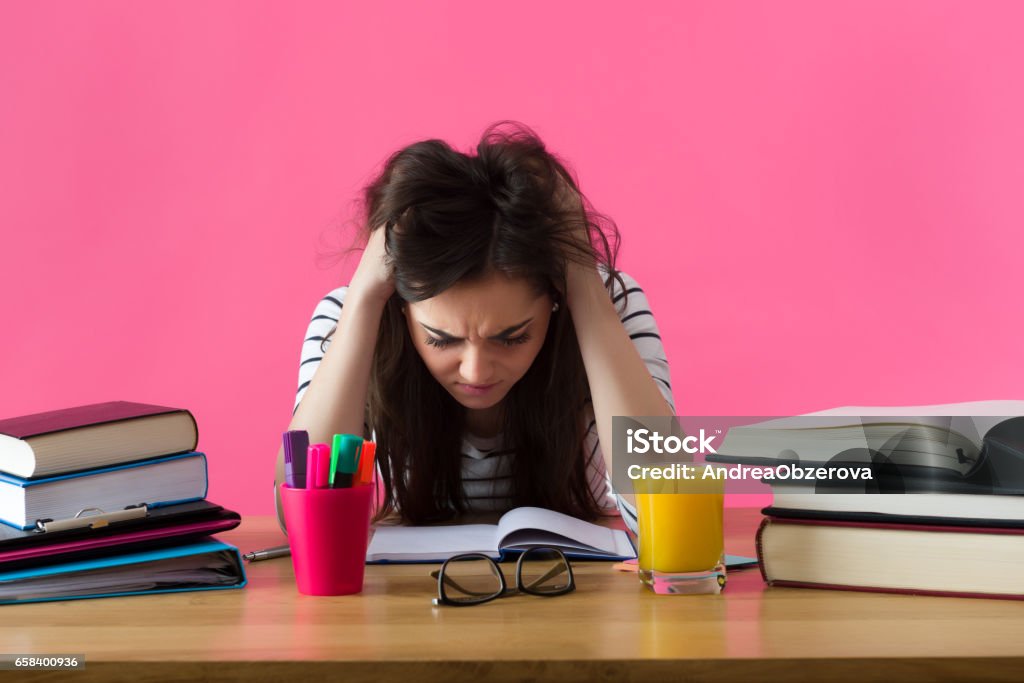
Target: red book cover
90,436
52,421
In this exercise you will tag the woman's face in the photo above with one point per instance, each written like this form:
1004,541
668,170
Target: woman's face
478,339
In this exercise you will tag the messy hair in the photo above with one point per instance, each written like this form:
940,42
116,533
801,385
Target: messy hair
510,208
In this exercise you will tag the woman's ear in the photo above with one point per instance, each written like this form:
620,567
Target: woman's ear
556,299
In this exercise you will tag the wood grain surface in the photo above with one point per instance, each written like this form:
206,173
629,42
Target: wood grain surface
611,628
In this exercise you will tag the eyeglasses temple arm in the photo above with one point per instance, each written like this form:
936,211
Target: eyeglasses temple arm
547,576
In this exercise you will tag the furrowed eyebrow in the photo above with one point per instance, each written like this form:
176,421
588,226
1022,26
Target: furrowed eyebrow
504,334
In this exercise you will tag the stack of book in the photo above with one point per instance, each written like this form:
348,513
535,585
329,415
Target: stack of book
108,499
944,514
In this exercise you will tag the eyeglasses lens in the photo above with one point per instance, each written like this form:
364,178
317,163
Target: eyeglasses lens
471,580
544,572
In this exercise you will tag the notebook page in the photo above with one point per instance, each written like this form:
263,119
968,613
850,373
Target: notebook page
431,542
984,414
583,533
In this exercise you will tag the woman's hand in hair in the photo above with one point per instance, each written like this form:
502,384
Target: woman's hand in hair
581,269
568,199
373,277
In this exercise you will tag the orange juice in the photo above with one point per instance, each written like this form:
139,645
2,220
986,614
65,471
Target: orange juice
680,525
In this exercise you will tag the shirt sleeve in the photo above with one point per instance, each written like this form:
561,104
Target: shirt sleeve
638,320
315,342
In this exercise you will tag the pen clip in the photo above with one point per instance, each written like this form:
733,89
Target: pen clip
94,518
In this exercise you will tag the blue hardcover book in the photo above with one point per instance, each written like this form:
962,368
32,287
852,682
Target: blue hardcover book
154,482
206,565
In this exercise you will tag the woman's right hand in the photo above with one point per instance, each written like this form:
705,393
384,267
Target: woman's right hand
373,276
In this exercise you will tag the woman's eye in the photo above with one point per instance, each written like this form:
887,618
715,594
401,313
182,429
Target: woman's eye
438,343
512,341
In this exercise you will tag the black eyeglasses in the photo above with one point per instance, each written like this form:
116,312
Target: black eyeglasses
473,578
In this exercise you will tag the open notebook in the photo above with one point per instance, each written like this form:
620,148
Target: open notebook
932,441
516,530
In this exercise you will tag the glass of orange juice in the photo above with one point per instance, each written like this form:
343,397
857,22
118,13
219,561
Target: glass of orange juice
680,534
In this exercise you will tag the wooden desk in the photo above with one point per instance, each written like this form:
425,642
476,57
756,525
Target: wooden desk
611,629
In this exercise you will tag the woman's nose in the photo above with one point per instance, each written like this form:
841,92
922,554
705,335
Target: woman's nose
475,366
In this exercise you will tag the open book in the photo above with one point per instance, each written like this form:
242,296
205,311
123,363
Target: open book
516,530
946,438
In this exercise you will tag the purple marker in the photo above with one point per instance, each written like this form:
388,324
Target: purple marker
296,444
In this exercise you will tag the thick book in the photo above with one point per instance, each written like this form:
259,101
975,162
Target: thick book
892,558
517,530
155,527
90,436
159,481
206,565
958,509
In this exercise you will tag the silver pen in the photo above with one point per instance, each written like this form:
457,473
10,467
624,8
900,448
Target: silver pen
268,553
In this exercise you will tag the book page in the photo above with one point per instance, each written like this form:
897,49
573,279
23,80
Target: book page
422,543
943,429
584,534
870,418
969,408
985,414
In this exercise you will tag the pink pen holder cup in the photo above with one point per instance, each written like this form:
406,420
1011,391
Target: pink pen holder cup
328,531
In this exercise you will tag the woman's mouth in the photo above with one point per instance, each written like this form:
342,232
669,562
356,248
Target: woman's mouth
476,389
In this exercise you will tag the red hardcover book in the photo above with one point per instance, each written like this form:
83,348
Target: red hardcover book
91,436
959,561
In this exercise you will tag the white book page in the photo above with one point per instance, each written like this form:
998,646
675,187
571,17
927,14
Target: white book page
977,417
995,408
16,456
431,542
985,414
943,506
584,534
168,480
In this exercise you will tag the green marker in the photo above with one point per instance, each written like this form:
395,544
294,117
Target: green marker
344,450
335,449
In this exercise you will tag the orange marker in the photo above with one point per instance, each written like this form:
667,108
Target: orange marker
365,473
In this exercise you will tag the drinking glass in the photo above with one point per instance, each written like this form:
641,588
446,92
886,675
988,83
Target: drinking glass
680,534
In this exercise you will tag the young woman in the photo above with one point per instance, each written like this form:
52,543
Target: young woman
486,338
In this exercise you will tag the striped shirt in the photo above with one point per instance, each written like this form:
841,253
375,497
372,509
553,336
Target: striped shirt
486,462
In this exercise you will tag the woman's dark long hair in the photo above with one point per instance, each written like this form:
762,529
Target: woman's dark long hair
452,217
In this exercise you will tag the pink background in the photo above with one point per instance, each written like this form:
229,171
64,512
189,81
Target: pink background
822,200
